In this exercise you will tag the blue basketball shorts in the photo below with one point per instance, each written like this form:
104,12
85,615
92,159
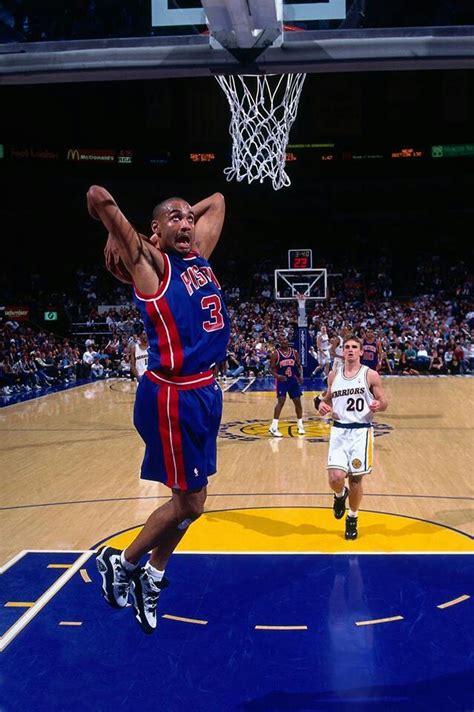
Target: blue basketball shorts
178,418
290,387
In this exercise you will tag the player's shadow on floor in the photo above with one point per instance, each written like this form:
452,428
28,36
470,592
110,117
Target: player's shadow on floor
277,528
267,526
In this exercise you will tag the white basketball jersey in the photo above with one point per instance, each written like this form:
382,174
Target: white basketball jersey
339,350
324,342
351,397
141,360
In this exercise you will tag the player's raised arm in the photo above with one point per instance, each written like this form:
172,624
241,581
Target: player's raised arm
209,217
124,242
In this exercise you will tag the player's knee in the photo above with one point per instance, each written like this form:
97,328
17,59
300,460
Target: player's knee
191,509
336,477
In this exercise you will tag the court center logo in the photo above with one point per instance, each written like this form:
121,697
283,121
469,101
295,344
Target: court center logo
317,430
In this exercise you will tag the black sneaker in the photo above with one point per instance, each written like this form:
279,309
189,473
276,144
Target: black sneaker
351,527
115,579
339,504
145,594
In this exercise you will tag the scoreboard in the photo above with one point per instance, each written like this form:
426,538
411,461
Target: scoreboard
300,259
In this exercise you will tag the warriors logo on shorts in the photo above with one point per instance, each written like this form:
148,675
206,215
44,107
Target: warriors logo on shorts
356,463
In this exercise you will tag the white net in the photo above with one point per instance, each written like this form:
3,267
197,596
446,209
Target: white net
263,110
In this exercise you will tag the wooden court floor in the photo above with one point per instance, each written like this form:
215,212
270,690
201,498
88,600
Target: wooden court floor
70,463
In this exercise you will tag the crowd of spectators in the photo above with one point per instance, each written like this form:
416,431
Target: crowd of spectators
428,333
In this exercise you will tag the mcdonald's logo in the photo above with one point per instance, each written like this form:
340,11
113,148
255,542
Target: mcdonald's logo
90,154
73,154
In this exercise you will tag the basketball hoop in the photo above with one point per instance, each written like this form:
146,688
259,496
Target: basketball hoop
263,109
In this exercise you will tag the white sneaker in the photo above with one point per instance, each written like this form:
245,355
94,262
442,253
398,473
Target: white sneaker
275,432
301,431
145,594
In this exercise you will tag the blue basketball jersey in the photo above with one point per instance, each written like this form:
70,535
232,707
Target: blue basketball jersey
287,364
186,320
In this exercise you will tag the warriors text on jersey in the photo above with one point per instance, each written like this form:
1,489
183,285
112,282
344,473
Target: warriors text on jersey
186,320
351,397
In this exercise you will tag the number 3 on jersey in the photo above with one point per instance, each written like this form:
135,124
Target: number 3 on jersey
214,304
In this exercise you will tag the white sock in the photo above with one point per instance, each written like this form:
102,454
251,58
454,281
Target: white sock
341,493
155,574
300,422
275,423
350,513
126,564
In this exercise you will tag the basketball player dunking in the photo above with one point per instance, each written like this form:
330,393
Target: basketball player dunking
178,405
354,394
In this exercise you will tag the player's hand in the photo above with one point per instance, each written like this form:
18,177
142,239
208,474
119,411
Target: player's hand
324,408
281,378
114,264
375,406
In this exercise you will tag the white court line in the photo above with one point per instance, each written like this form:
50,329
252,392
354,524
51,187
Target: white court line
20,555
13,561
23,621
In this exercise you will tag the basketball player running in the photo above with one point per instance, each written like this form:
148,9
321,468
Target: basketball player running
178,404
353,395
139,356
285,365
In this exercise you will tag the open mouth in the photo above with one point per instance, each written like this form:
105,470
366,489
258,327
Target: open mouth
183,240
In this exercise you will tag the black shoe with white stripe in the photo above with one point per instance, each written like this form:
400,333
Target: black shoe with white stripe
339,504
145,594
351,527
116,579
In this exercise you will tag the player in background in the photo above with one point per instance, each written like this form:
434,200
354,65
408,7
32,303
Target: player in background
285,365
353,396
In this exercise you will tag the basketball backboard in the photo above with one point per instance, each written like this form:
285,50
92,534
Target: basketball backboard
188,38
310,284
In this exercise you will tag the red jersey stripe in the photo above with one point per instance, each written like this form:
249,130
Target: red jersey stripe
165,436
176,440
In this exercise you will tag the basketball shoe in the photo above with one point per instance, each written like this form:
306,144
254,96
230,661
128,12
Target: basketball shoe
339,504
301,430
351,527
115,579
145,594
275,432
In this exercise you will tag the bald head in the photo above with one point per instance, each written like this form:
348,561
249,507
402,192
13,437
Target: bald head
166,206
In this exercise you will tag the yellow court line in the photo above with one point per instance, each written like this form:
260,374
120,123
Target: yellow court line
453,602
281,627
196,621
85,576
19,604
59,566
380,620
70,622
